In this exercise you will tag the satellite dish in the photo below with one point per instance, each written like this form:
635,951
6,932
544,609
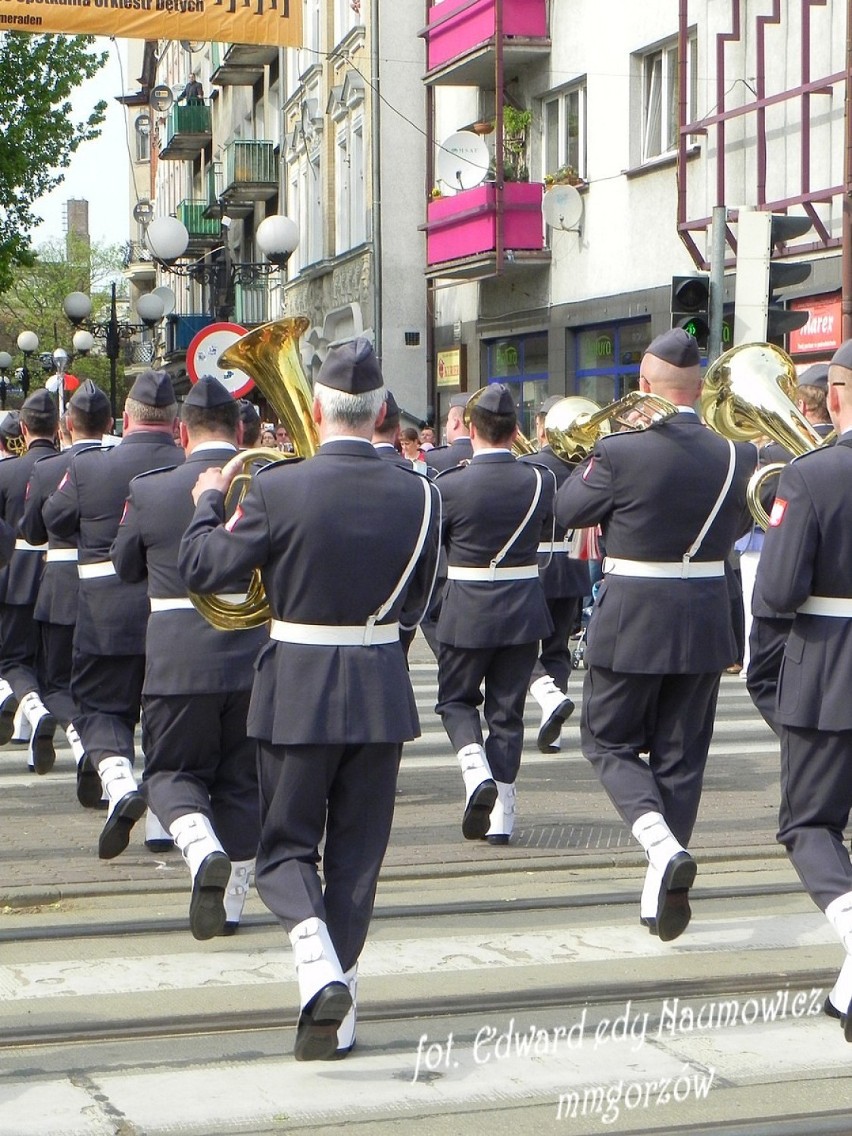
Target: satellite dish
463,161
192,45
161,98
562,207
143,123
167,296
143,212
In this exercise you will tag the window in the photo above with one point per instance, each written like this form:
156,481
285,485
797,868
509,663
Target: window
520,361
143,137
607,359
565,130
347,15
660,92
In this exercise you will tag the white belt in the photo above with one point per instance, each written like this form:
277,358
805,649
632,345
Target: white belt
58,555
664,569
184,603
25,546
840,607
95,571
554,546
323,635
523,572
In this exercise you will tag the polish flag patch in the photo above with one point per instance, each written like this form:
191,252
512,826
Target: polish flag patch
124,511
231,524
589,468
779,508
66,477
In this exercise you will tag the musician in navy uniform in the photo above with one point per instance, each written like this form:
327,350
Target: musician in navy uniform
493,612
332,702
806,568
386,434
671,502
19,653
457,447
109,640
200,774
566,582
88,417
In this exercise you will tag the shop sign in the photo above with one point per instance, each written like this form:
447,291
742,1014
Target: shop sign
822,332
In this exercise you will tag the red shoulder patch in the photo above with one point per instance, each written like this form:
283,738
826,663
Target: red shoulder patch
231,524
779,508
589,467
124,511
66,477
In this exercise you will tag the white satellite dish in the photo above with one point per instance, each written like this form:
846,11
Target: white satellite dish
167,296
192,45
562,207
161,98
463,161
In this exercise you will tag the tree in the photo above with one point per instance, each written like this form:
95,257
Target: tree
37,133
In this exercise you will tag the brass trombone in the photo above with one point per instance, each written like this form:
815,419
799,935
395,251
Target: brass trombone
749,391
575,425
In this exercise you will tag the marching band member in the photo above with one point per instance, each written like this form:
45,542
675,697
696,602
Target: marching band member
805,568
88,417
457,447
200,776
332,702
19,656
566,581
671,500
109,640
493,612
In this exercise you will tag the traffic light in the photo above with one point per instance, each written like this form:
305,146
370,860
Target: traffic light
690,306
758,313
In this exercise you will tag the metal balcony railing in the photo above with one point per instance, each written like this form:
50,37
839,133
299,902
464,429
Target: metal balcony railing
139,354
199,227
251,170
188,130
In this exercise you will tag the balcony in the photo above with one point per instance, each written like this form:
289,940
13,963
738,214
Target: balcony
462,231
240,64
204,232
250,174
188,131
461,39
251,303
138,263
139,354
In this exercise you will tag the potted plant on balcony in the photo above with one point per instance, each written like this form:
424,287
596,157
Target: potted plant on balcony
516,125
565,175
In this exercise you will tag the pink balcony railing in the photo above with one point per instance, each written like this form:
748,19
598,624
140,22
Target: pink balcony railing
458,26
465,224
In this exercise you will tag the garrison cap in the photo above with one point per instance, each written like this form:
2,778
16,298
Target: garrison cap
89,398
351,368
460,399
815,376
249,414
391,404
41,401
153,388
842,357
549,403
10,427
676,346
208,393
497,399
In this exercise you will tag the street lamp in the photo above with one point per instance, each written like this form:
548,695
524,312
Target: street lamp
167,239
5,364
27,345
78,307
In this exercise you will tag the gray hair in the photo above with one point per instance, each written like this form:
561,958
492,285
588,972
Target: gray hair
150,415
352,410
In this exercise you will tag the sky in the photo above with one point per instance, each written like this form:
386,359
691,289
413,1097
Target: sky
98,170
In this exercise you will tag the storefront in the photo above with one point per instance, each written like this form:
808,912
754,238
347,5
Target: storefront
607,359
817,341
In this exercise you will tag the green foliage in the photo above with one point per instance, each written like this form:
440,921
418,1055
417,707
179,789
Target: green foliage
37,133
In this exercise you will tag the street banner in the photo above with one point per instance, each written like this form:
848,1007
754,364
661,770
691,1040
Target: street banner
276,22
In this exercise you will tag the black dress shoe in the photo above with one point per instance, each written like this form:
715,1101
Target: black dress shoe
477,813
158,846
115,835
7,719
650,922
89,789
829,1008
846,1022
498,838
673,910
316,1034
230,927
207,905
552,727
41,744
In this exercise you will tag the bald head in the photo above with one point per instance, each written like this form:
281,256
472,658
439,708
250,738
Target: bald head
840,396
680,385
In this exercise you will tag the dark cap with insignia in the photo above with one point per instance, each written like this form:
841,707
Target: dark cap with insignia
208,393
815,376
676,347
89,398
10,427
842,357
496,399
153,388
351,368
460,399
392,406
40,401
249,414
549,403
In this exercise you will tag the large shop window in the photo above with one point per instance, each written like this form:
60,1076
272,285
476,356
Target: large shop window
520,361
608,358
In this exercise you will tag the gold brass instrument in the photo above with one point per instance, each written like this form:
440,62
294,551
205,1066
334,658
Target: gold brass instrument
270,354
748,392
574,425
521,445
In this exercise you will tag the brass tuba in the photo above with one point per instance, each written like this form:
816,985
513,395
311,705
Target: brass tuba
270,354
521,445
749,391
574,425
